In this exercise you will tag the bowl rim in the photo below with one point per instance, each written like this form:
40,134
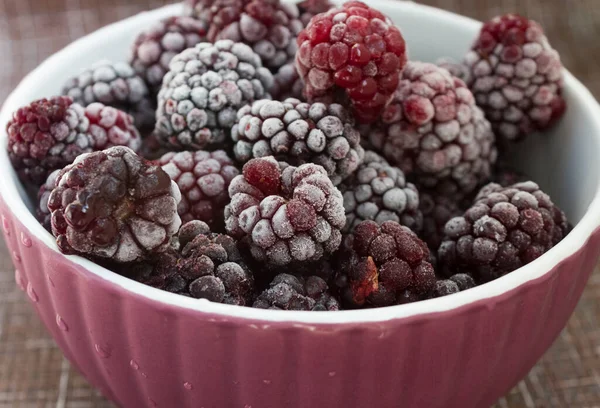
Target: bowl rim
539,268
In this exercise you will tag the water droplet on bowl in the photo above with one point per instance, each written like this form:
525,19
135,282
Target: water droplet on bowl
134,365
103,351
267,382
31,293
25,240
152,402
144,375
332,373
5,226
51,281
19,279
61,323
188,386
16,256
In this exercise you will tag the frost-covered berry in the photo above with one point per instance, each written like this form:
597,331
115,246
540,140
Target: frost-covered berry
435,133
270,27
379,192
113,204
42,212
289,292
285,213
154,49
202,92
111,127
456,68
117,85
203,179
456,283
505,228
352,52
383,265
297,132
516,77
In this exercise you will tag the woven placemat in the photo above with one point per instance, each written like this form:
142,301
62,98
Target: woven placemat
33,371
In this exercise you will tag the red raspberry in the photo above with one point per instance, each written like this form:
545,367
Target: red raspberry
203,179
516,77
354,49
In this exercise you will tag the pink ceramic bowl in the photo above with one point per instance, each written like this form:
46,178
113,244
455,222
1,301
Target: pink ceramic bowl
143,347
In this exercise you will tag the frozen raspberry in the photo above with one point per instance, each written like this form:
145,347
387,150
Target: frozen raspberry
288,292
285,214
505,228
310,8
379,192
384,265
434,132
46,135
153,49
516,77
287,83
437,209
204,89
117,85
297,132
203,179
270,27
112,204
352,52
42,212
111,127
457,69
456,283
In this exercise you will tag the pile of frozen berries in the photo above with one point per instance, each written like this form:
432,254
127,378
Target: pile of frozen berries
289,156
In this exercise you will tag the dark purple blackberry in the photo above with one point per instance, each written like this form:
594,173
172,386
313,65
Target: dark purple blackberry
435,133
203,179
202,92
437,210
45,136
113,204
505,228
383,265
117,85
285,214
42,212
310,8
288,292
153,49
379,192
111,127
298,133
270,27
287,83
456,283
516,77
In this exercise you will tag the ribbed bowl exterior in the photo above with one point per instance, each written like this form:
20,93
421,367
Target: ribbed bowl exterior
140,352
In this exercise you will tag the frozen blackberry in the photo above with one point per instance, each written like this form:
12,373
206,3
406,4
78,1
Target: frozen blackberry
285,214
379,192
437,210
434,132
287,83
204,89
351,52
516,77
46,135
456,283
153,49
111,127
112,204
297,132
457,69
117,85
270,27
42,212
383,265
203,179
310,8
288,292
505,228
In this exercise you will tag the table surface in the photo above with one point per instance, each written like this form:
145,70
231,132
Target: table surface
33,371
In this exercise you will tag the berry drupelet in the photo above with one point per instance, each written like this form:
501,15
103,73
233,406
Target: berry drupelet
383,265
202,92
270,27
289,292
505,228
297,132
516,77
117,85
45,136
112,204
154,49
203,179
435,133
379,192
353,53
111,127
285,214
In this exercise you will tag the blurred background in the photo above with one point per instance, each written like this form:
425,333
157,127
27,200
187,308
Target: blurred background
33,371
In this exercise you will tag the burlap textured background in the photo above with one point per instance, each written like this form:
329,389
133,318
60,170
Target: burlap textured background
33,372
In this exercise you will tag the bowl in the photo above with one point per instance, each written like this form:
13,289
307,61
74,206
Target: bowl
144,347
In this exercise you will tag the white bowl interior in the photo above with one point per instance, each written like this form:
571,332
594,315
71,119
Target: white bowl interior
563,161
